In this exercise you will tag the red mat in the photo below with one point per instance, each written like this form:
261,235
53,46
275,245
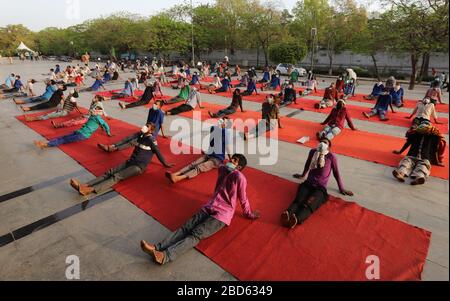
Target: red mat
332,245
129,99
395,119
362,145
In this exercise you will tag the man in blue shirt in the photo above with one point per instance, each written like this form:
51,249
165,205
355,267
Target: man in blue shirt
219,145
49,90
250,88
376,91
9,81
397,95
156,116
381,108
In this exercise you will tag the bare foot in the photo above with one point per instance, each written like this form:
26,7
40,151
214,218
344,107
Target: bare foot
41,144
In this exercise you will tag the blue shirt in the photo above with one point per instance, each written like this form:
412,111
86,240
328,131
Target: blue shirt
266,76
97,84
225,84
57,70
251,87
377,89
383,102
275,82
156,117
128,89
222,136
18,84
9,80
397,96
107,77
194,80
49,90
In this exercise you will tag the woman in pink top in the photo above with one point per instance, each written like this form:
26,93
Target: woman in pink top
214,216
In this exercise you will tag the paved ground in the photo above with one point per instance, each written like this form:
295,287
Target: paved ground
106,236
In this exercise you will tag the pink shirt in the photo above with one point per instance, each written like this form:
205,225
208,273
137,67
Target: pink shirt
229,188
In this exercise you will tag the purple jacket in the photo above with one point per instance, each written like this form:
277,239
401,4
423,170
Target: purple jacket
229,188
320,176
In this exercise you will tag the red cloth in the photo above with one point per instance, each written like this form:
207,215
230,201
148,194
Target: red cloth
333,244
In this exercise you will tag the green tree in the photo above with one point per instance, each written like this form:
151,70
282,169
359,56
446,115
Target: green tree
12,35
287,52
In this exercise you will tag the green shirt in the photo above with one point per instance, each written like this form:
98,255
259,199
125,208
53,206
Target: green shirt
92,125
294,75
184,93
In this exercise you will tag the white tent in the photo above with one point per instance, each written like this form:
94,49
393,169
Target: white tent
24,47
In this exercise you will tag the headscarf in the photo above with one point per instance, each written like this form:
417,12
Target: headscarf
318,160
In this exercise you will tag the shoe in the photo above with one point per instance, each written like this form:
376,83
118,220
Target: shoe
85,190
398,176
292,221
75,184
384,119
418,181
159,257
285,218
147,248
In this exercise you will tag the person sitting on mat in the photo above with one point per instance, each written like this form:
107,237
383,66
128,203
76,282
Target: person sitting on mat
274,84
243,82
128,91
424,111
311,86
156,117
434,93
329,98
148,95
335,122
53,102
426,147
376,91
190,104
294,75
382,105
97,101
94,122
145,147
397,95
289,96
69,104
236,103
182,96
214,216
225,86
220,144
269,121
340,83
251,87
195,79
312,192
266,76
95,86
9,82
215,84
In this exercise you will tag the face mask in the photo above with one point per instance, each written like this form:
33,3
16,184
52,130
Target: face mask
426,101
221,122
270,100
155,107
231,167
145,129
322,147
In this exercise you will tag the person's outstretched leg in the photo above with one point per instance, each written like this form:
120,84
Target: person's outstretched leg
288,218
116,176
314,201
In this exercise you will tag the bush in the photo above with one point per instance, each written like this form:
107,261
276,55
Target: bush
288,52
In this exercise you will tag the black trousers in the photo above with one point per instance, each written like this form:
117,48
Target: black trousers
309,199
142,102
181,109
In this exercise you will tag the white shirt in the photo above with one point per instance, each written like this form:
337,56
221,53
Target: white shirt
194,99
426,111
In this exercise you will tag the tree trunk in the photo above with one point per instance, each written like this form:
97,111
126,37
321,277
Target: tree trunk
377,73
330,66
266,56
257,56
424,67
412,80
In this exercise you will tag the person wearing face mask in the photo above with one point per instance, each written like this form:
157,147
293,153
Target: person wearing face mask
434,93
214,216
191,103
397,95
251,87
329,98
182,96
145,147
53,102
311,86
69,105
90,127
289,96
335,122
128,91
376,91
426,148
236,103
225,86
382,105
424,110
148,95
220,144
274,84
312,192
269,121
